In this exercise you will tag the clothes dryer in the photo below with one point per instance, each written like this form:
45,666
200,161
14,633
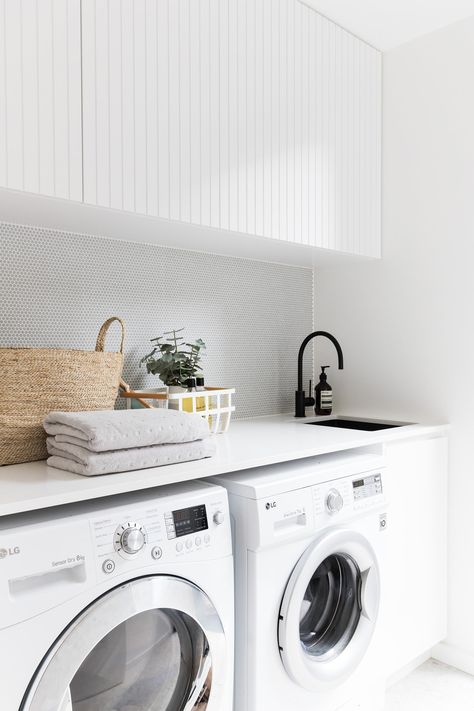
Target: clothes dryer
123,604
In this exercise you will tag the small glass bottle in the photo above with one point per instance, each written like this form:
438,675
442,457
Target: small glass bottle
188,402
200,401
205,403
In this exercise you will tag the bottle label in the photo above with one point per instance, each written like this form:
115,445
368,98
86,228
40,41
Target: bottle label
326,399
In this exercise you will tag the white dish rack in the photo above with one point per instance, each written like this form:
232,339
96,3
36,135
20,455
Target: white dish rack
213,404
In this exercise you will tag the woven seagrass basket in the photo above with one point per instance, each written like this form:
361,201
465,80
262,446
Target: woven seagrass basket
39,380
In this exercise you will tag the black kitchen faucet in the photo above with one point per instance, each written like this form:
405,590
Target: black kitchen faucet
300,396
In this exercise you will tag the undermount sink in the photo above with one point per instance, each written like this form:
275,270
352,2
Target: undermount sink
346,424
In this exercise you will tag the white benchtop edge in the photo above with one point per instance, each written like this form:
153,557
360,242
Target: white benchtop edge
248,443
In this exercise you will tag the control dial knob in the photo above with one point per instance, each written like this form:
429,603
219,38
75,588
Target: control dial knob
129,538
218,518
334,501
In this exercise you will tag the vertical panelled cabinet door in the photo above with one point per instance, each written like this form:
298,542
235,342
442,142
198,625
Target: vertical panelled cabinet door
256,116
40,97
415,599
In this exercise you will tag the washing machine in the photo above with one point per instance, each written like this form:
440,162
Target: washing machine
123,604
309,541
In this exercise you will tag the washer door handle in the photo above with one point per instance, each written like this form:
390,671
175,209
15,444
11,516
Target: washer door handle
369,594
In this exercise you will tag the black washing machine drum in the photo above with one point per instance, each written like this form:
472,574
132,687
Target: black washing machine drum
329,610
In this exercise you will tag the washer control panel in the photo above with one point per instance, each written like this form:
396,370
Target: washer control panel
344,497
320,497
367,486
162,531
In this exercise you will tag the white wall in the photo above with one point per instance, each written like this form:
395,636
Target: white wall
406,324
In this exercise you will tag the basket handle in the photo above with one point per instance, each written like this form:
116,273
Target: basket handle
126,388
123,385
100,343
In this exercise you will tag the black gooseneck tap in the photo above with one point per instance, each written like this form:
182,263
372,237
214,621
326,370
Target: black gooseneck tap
300,396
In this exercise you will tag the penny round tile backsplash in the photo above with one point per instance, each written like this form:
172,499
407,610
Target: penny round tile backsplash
57,288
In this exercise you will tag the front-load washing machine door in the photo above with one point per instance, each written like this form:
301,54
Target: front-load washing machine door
152,644
329,610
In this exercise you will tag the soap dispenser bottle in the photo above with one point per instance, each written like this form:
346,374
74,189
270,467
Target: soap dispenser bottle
323,394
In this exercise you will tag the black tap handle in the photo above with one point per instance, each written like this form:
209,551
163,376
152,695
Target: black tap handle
310,401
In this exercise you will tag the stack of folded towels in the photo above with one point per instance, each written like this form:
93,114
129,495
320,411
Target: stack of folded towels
104,442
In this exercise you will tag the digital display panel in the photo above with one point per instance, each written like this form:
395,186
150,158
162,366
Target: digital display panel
190,520
368,486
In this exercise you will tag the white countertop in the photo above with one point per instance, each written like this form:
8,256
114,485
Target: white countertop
248,443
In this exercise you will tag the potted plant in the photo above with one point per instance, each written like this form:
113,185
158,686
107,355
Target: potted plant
174,360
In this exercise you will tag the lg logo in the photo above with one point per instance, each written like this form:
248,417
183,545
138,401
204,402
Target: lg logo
5,552
270,505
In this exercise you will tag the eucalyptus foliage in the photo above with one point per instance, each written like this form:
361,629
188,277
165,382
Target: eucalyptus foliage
174,360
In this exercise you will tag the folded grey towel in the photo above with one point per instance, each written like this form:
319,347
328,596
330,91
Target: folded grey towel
109,430
80,460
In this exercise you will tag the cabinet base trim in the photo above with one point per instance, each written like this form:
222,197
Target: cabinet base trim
454,657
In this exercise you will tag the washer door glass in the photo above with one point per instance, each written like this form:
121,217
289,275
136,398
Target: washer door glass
150,661
152,644
331,607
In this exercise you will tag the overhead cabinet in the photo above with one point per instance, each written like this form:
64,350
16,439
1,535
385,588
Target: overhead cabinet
256,116
40,97
260,118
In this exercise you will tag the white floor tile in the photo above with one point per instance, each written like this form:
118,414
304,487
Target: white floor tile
432,687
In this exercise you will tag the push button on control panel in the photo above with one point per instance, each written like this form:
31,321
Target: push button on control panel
156,552
170,527
108,566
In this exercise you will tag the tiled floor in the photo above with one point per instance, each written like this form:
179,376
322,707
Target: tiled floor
433,687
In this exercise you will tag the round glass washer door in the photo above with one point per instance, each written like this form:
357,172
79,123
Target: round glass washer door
329,610
153,644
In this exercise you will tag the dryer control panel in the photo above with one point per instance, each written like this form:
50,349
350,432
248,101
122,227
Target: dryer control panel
303,511
169,529
52,555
